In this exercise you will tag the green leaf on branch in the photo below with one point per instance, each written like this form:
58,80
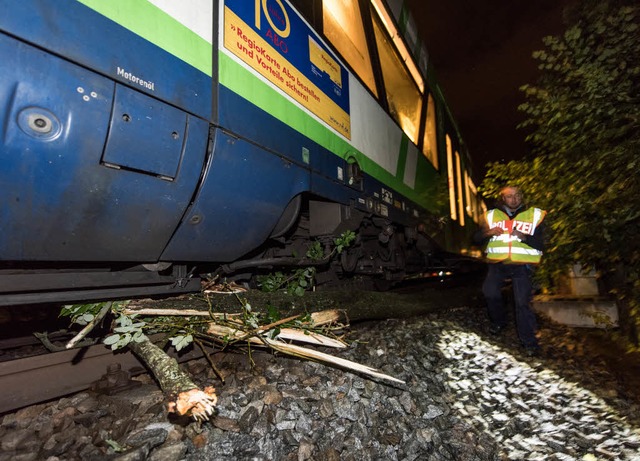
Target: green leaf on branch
181,341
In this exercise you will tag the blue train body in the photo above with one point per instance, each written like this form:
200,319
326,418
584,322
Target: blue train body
128,166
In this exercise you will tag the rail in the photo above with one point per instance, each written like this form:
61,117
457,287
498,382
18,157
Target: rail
36,379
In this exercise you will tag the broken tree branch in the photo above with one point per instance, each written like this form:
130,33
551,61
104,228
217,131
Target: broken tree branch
184,397
85,331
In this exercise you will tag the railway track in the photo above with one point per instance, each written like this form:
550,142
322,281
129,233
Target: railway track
30,380
48,375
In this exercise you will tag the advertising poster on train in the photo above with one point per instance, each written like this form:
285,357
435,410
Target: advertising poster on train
272,38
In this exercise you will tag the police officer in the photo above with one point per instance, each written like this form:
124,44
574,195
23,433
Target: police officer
513,234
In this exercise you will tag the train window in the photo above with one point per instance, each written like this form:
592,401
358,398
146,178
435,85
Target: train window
430,141
396,38
342,24
403,94
459,189
467,198
472,204
474,209
451,181
469,204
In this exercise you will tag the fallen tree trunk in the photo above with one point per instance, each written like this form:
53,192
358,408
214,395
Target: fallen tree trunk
359,305
184,397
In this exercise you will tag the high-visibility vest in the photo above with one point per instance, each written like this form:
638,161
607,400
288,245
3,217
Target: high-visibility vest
507,247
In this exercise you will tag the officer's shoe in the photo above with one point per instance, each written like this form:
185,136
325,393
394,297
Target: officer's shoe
496,330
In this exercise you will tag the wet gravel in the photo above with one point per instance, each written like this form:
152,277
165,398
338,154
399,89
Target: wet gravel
468,396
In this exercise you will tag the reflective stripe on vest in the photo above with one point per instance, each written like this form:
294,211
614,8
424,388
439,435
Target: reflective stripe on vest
507,247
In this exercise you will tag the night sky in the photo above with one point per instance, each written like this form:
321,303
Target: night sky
481,51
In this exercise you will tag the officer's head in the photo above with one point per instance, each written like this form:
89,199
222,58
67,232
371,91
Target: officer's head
511,197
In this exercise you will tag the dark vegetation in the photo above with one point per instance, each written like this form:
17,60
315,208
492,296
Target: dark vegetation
583,122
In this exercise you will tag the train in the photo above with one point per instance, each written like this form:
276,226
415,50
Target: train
146,143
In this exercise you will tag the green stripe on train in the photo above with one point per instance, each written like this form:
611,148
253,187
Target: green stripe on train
402,157
239,80
156,26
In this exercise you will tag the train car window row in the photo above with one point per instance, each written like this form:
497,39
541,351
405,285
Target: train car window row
400,87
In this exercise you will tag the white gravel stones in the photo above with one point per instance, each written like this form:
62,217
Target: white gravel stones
567,421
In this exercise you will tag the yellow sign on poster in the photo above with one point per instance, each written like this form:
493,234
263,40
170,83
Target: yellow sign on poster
246,44
324,62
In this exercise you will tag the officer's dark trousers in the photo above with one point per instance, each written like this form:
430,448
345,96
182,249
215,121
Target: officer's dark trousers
520,275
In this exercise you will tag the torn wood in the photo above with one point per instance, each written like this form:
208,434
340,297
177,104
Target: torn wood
184,397
310,337
223,331
311,354
327,317
176,313
298,351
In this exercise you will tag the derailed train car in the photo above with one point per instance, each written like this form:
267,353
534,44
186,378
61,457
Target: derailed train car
145,142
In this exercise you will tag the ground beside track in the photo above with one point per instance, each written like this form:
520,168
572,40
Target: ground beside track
468,396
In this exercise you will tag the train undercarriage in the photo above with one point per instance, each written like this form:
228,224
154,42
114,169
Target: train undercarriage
378,255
